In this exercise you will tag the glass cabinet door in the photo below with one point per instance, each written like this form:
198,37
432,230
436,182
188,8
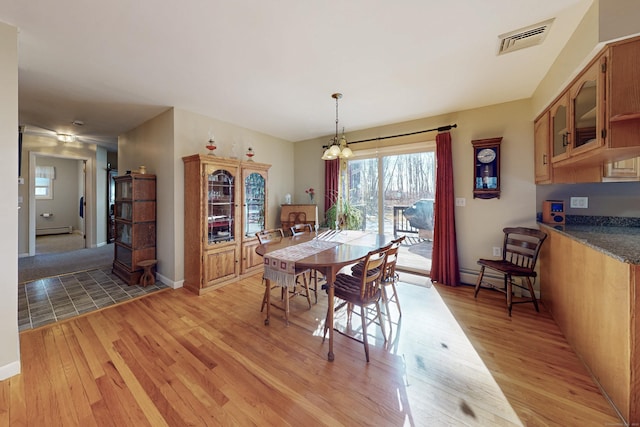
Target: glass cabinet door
220,206
585,114
254,204
559,126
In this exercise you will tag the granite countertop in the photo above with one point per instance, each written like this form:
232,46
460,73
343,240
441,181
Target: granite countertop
620,239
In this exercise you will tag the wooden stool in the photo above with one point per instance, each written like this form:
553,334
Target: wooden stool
147,278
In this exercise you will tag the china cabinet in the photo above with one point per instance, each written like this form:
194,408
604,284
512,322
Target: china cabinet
254,211
224,205
135,224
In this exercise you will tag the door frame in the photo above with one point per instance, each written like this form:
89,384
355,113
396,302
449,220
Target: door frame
88,195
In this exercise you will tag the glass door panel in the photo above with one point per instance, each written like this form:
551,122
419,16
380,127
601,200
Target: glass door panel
254,185
396,195
220,206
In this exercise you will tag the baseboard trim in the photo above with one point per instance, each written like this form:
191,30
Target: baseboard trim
169,282
9,370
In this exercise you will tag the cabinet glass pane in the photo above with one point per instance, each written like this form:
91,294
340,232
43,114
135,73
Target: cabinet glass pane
123,190
220,206
560,131
123,210
584,109
254,185
123,233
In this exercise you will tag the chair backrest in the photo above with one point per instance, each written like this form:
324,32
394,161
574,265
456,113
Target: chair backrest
267,236
392,259
372,274
301,229
522,246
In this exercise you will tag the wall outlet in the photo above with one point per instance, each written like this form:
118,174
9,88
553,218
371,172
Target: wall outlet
461,201
497,251
580,202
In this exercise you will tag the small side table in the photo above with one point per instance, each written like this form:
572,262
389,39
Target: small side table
148,278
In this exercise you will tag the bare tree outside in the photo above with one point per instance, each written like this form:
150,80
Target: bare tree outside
406,179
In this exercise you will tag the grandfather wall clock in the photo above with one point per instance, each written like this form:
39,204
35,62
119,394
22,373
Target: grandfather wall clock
486,175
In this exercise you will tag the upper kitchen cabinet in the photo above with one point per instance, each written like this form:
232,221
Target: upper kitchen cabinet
595,120
541,149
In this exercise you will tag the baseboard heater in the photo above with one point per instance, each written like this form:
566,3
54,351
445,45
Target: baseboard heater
54,230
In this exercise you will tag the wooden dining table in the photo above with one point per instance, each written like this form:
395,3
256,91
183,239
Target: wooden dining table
352,247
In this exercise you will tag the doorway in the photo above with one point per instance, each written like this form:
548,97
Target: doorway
58,204
394,189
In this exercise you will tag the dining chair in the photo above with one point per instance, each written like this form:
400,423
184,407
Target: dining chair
363,291
298,230
275,235
520,250
389,276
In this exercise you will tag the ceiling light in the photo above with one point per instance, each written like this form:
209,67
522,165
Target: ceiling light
63,137
337,147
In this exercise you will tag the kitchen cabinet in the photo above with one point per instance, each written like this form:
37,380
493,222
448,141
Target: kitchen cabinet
541,149
623,170
225,201
594,300
135,225
596,119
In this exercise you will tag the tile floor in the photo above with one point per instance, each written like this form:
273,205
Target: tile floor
57,298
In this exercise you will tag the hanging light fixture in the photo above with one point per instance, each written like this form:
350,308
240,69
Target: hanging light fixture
337,147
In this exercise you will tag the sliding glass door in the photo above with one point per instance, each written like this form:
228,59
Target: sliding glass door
394,189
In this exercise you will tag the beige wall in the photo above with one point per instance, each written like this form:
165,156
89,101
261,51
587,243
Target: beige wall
160,145
479,224
9,337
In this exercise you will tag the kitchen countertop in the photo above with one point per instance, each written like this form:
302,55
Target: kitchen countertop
618,241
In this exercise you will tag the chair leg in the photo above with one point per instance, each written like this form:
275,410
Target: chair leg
478,282
364,333
509,292
533,295
385,299
306,288
395,295
379,314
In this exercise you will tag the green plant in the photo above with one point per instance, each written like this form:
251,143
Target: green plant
350,217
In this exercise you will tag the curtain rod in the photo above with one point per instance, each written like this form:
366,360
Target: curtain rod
439,129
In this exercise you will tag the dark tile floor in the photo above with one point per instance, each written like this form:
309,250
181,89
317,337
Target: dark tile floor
57,298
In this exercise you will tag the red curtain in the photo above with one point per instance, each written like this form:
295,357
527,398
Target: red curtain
331,177
444,261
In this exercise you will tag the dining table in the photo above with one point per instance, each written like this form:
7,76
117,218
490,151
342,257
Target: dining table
327,252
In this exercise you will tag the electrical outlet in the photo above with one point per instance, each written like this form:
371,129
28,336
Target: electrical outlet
461,201
497,251
580,202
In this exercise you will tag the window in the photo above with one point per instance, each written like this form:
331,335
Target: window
44,182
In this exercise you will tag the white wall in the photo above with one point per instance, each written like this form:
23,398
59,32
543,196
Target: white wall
64,206
9,337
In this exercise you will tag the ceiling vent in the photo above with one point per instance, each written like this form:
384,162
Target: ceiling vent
524,37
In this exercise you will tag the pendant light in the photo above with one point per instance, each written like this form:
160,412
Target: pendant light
337,147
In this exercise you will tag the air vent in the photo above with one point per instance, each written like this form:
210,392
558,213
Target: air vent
524,37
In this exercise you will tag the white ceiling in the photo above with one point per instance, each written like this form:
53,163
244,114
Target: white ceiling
272,66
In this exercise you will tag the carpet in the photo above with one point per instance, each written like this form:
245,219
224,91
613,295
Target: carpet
47,265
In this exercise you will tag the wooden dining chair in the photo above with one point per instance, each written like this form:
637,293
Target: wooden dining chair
520,250
363,291
389,276
298,230
275,235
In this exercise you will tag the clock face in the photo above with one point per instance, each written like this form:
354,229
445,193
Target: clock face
486,155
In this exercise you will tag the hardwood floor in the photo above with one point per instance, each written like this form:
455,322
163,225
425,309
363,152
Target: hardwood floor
174,358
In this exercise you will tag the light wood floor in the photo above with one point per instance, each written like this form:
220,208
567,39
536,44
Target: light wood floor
177,359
